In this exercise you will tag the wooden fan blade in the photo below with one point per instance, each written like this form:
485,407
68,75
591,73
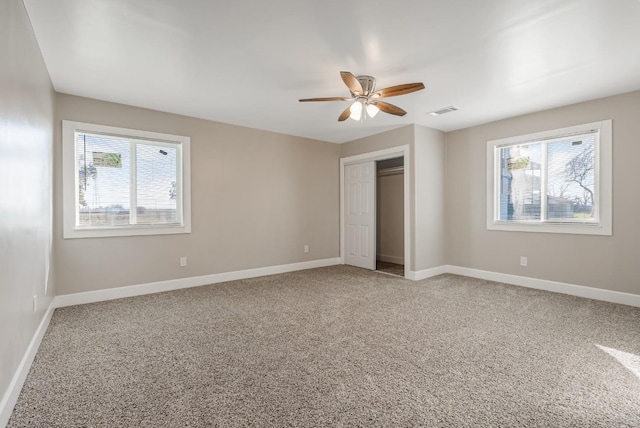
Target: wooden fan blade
352,83
304,100
394,91
389,108
345,114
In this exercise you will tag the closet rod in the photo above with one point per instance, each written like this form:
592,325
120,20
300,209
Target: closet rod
391,171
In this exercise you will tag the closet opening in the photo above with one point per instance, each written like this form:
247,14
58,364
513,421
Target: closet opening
390,257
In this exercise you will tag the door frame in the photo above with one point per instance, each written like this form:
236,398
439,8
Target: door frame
389,153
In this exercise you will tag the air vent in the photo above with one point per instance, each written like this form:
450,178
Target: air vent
443,111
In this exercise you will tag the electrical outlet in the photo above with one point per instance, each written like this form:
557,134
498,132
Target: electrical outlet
523,261
183,261
306,248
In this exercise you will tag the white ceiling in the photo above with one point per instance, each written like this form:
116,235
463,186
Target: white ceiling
247,62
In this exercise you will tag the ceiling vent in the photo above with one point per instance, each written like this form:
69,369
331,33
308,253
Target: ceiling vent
443,111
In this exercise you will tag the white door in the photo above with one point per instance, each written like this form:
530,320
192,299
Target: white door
360,214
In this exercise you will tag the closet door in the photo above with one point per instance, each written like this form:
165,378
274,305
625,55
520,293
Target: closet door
360,214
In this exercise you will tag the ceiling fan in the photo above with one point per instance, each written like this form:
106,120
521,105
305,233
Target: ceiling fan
367,99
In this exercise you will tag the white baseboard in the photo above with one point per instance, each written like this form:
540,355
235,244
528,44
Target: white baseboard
390,259
426,273
176,284
557,287
13,390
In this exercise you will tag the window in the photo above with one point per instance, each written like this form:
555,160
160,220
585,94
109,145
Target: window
555,181
122,182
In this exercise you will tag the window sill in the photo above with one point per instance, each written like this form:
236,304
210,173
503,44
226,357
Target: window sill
551,227
107,232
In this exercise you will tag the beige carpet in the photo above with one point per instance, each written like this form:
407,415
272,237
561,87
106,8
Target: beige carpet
338,346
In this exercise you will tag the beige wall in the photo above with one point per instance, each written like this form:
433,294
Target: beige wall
257,198
385,140
26,116
390,218
608,262
429,193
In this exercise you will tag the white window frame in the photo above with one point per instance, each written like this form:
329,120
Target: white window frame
602,223
71,229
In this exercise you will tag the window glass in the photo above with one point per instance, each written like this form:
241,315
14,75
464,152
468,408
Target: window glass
568,165
520,182
571,179
103,168
156,184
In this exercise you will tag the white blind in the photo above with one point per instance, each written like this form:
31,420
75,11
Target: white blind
124,181
551,180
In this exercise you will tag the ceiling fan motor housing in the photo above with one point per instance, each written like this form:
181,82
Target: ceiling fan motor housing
368,84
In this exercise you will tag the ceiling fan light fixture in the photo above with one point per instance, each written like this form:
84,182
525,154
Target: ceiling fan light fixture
356,110
372,110
365,97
